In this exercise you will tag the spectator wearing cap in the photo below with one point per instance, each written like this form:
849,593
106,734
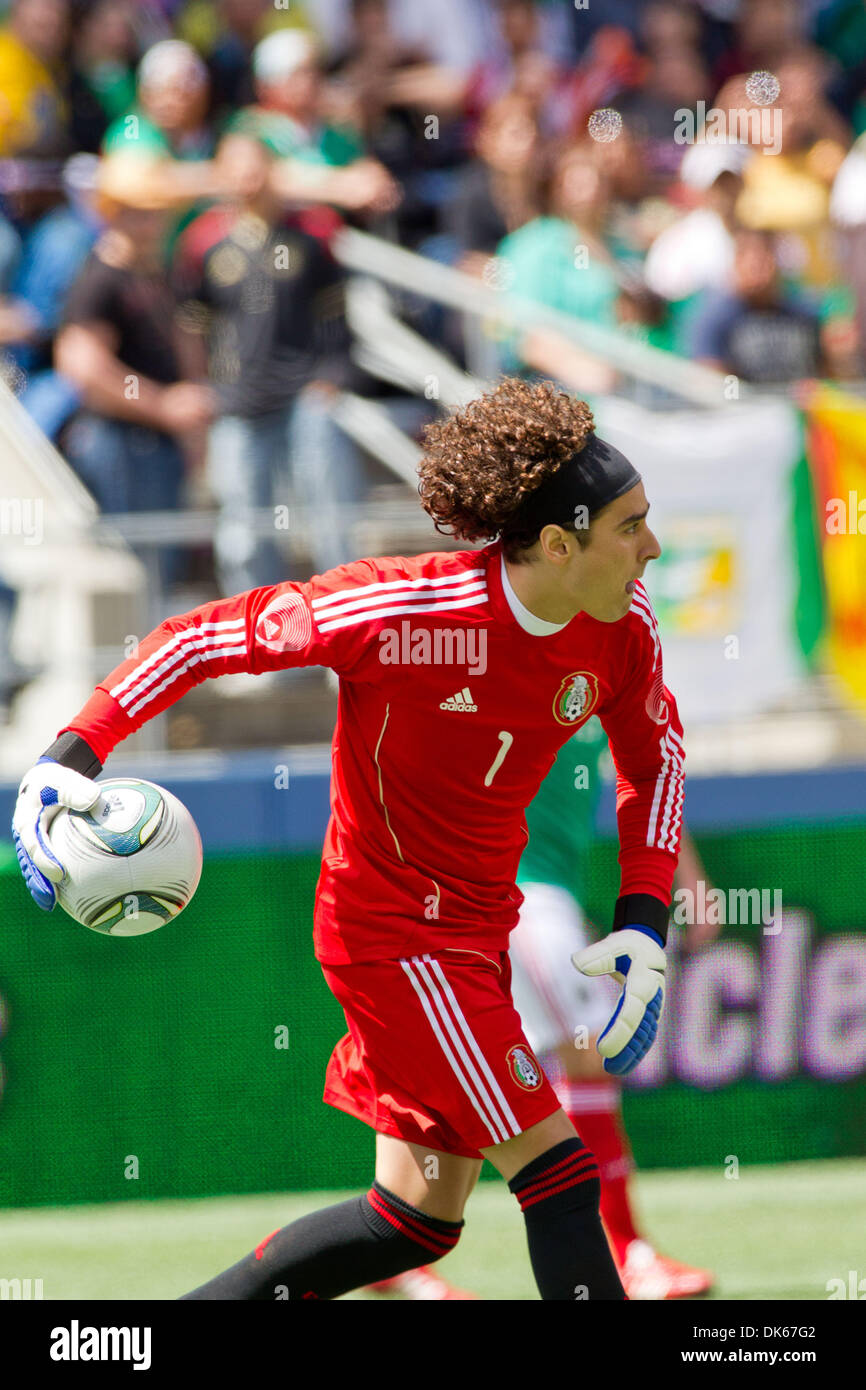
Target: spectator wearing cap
226,33
32,106
170,118
696,252
318,161
168,133
287,117
261,286
121,346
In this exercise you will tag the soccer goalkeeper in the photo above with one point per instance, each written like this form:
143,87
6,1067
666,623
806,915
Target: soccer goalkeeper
461,674
563,1012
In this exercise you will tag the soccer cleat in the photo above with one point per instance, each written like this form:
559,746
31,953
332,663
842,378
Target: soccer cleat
647,1275
421,1284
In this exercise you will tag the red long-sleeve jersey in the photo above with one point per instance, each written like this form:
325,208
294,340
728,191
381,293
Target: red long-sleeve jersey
450,715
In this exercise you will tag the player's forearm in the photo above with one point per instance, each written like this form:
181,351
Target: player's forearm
294,180
106,384
648,872
650,785
101,724
165,183
649,836
107,398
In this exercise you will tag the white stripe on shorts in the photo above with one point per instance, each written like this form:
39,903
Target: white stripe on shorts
453,1035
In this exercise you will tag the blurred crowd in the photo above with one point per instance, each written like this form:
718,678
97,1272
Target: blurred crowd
173,172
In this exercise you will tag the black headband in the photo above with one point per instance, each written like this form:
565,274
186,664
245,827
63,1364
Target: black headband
591,478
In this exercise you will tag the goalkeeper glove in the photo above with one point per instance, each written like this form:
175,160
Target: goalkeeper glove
635,959
44,791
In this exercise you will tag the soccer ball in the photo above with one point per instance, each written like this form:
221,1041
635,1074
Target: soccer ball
133,861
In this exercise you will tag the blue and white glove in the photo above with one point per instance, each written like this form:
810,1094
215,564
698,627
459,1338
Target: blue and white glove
44,791
635,959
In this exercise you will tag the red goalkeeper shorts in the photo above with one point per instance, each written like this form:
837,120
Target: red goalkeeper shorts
435,1052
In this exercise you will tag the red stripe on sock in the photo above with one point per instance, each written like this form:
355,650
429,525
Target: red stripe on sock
448,1238
260,1249
554,1171
562,1187
431,1240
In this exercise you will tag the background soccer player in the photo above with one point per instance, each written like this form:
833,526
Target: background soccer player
433,766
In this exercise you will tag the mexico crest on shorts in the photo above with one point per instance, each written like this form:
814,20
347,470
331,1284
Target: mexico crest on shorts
524,1068
576,697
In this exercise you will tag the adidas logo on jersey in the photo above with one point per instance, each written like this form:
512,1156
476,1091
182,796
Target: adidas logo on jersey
461,702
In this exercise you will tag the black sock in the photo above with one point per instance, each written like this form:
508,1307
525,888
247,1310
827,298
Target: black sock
343,1247
559,1195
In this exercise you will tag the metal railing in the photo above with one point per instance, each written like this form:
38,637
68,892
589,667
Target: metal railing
420,276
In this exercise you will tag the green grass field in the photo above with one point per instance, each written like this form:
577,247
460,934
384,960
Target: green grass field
773,1233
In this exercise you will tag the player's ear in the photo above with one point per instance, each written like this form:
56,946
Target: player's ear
555,542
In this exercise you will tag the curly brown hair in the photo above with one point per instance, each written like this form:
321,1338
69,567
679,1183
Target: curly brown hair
481,464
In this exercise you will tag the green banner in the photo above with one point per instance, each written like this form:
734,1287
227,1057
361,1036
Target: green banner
190,1062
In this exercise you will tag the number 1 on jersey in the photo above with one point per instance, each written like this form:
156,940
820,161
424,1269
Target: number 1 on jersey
506,740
